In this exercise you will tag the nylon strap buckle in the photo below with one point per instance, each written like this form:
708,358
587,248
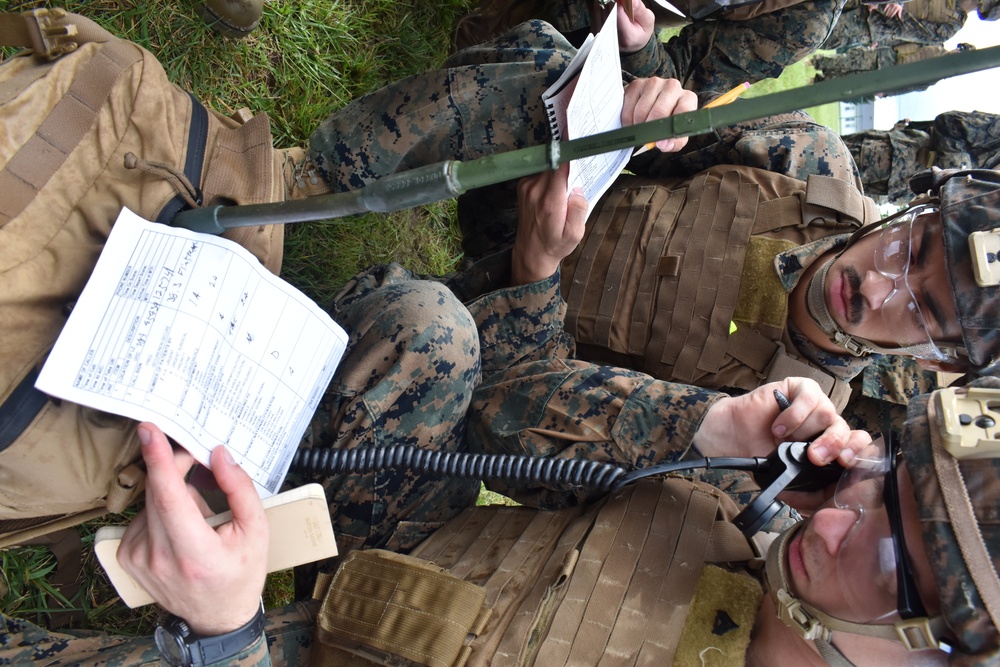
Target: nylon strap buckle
49,37
916,634
804,624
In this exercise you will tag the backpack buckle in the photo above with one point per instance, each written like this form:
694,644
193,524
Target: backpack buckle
50,38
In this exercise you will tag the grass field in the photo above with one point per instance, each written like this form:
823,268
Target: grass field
307,59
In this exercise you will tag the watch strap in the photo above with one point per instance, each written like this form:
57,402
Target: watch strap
208,650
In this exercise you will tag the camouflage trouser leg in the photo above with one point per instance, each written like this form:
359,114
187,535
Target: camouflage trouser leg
857,60
289,633
851,31
407,379
487,100
792,144
720,55
973,138
908,29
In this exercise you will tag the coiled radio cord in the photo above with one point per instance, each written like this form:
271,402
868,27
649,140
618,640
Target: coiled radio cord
574,473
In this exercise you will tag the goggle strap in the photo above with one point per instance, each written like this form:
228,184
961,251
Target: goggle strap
812,624
832,655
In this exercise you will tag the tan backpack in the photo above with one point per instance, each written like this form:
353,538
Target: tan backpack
91,124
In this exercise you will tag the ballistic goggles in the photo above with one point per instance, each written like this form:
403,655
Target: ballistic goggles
900,250
874,550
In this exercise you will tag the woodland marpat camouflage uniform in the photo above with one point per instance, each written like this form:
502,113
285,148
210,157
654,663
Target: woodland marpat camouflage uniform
923,22
411,365
456,114
407,377
953,140
709,57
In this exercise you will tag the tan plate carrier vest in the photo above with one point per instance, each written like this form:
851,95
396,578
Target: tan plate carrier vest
665,271
609,583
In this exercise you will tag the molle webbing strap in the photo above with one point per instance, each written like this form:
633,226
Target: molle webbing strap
624,250
712,234
576,295
69,121
653,268
775,214
963,519
634,580
508,550
840,196
511,589
770,360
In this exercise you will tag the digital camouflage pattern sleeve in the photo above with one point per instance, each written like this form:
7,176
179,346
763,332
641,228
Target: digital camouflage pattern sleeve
716,56
537,400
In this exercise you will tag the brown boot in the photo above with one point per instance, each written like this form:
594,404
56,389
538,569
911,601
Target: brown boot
232,18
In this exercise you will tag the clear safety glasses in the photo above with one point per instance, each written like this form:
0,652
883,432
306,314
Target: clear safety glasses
900,251
873,562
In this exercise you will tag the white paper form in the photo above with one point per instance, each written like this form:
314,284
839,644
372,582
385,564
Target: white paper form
191,332
596,106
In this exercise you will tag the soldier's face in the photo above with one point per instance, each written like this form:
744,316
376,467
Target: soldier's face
892,287
841,560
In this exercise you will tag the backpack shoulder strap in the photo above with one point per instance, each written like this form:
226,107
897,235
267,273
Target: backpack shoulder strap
72,117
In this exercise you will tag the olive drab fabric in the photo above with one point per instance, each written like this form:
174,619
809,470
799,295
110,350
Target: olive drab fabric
92,124
675,278
515,586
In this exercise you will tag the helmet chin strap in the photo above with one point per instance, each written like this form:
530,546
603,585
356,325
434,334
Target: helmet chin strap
812,624
820,314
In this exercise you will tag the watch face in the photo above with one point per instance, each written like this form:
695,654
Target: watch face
172,648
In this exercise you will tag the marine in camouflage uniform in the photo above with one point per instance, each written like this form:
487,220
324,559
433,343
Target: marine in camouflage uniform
953,140
709,57
407,377
923,22
866,60
488,101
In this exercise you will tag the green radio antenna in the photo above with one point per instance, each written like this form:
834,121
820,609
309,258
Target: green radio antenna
448,179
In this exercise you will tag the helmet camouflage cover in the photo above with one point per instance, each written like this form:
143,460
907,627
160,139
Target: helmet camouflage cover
975,638
970,202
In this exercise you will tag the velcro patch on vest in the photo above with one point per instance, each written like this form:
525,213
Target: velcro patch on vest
762,298
717,628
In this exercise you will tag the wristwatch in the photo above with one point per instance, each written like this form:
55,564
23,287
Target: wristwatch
179,647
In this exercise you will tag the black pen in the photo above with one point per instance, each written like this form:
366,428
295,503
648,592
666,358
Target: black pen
782,400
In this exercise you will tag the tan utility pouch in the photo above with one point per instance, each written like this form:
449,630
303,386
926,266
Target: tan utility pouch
518,586
382,604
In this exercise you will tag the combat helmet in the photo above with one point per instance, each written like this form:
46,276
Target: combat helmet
970,216
989,10
968,202
952,452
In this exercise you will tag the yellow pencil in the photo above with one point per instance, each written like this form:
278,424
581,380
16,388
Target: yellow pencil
725,98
